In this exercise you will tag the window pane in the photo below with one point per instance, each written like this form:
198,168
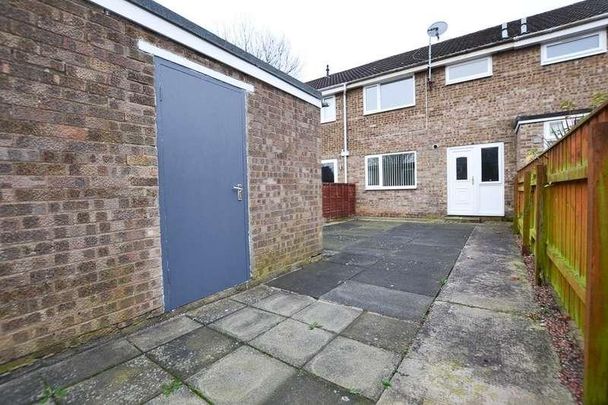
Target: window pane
373,172
489,164
396,94
328,110
461,168
398,170
467,69
574,45
328,171
371,102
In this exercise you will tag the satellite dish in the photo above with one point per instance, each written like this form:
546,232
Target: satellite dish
437,28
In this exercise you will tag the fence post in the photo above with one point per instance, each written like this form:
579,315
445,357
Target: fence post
516,204
596,322
541,247
525,242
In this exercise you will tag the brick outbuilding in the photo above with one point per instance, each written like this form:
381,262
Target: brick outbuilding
145,163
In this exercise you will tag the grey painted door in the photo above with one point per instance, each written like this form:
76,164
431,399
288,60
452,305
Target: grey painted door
201,150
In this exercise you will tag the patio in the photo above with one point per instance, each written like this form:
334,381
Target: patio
396,312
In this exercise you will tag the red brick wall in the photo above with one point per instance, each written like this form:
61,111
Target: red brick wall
474,112
79,196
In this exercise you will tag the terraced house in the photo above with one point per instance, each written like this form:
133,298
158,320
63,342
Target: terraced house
451,145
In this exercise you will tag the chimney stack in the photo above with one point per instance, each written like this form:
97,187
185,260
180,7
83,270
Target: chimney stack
327,70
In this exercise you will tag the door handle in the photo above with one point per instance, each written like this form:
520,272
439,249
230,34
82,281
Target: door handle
239,191
472,179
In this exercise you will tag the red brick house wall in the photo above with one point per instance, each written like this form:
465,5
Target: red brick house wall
79,211
472,112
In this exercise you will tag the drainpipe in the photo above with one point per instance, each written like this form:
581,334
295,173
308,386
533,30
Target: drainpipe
345,146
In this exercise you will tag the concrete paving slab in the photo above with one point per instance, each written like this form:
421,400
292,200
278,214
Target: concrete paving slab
26,389
383,242
448,239
472,355
417,281
216,310
292,341
491,281
496,238
354,366
327,315
189,353
432,251
181,396
88,363
354,259
135,381
317,278
163,332
247,323
306,389
284,303
339,242
254,294
307,282
246,376
384,332
397,304
408,263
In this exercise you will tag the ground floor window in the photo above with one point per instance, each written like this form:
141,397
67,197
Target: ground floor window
329,171
390,171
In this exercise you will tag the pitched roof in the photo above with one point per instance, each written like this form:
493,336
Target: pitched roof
467,43
197,30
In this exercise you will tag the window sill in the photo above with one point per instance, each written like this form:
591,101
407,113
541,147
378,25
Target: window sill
380,188
328,121
389,109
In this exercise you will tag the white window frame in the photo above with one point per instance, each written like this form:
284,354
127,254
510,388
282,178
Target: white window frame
544,60
380,172
487,73
325,119
547,124
378,100
335,163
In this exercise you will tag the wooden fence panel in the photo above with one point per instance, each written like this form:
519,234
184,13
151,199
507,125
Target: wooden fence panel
561,212
338,200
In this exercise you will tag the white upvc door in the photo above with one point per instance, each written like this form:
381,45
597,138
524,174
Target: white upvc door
475,179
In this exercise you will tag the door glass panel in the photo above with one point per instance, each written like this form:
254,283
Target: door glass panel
489,164
461,168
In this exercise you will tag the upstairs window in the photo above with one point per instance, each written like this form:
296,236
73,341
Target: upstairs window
328,109
573,48
390,171
469,70
389,96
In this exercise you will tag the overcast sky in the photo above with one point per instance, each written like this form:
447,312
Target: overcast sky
346,34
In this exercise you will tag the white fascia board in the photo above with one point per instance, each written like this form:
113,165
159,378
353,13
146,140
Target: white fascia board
180,60
156,24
